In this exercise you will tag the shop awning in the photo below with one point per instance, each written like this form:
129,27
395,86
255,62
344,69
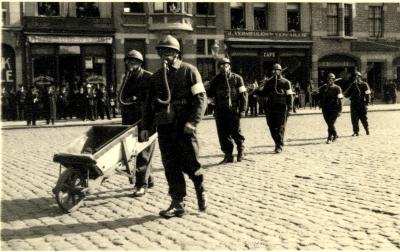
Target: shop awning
69,40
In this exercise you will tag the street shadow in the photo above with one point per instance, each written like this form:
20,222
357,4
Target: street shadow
76,228
24,209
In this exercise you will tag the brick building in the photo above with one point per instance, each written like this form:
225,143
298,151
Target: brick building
71,41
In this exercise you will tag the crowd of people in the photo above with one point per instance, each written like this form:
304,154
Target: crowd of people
50,102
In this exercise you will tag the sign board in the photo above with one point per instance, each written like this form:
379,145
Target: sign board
43,80
69,40
269,54
88,63
8,67
63,49
96,79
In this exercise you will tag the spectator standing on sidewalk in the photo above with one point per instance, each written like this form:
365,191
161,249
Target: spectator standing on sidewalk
102,103
229,92
113,100
176,104
359,93
279,95
91,101
132,96
5,104
32,106
21,99
50,105
331,104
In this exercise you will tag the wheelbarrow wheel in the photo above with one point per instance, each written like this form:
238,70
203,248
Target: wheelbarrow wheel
70,190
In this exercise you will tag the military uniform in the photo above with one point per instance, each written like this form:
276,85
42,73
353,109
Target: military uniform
330,102
179,150
135,90
278,104
359,93
230,102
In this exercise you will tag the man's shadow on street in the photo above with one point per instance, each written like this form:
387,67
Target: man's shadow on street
76,228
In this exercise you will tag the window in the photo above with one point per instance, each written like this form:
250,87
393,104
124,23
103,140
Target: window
134,7
87,10
210,42
260,16
333,19
293,16
158,7
237,16
49,9
348,13
375,21
206,68
201,46
173,7
205,8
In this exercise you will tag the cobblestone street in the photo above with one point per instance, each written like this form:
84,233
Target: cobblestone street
345,195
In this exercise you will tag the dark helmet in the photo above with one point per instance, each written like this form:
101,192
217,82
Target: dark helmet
133,54
331,76
277,67
169,42
357,73
224,61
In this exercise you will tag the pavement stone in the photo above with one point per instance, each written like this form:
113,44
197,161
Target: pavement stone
312,196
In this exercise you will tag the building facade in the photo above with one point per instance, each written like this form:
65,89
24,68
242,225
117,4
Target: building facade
73,41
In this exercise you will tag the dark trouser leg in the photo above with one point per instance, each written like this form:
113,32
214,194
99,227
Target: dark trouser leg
143,166
189,147
362,112
330,119
171,156
279,124
237,134
354,119
223,129
271,126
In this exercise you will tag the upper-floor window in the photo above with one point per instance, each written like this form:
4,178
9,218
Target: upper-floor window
237,15
293,16
4,13
348,15
170,7
48,9
87,10
333,17
375,21
260,16
134,7
204,46
205,8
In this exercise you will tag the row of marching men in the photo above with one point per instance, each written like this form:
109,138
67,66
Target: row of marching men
172,102
88,102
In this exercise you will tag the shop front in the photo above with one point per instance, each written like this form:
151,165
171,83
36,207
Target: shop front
69,61
253,54
342,66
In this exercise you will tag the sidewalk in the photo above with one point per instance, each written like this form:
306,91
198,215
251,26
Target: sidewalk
6,125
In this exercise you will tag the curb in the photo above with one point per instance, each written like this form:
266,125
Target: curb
119,120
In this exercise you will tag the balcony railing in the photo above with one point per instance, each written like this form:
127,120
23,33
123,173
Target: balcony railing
272,35
68,24
167,21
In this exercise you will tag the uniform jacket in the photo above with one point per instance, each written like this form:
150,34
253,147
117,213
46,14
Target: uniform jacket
359,93
330,98
188,98
136,90
279,94
229,92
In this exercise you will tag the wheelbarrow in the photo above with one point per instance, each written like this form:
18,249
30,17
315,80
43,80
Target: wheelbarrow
102,151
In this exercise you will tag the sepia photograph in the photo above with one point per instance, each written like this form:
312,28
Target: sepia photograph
197,126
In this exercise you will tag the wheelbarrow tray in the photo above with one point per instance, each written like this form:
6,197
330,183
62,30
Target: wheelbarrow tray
103,146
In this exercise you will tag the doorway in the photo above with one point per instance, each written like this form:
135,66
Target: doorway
375,79
70,70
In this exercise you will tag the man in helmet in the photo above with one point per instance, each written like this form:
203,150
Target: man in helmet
331,103
279,95
230,105
132,96
360,94
176,105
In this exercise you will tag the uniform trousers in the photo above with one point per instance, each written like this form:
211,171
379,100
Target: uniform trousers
277,122
330,119
179,154
358,113
228,127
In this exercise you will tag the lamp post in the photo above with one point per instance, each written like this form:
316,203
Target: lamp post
214,51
